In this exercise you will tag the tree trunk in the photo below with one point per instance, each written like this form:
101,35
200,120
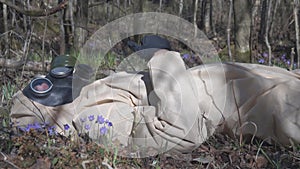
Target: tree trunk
195,18
5,25
62,49
229,30
296,8
180,7
263,20
81,23
242,25
267,31
160,5
137,26
207,17
71,12
252,27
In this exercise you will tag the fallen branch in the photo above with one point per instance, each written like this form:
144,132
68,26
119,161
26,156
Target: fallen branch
18,65
36,12
5,160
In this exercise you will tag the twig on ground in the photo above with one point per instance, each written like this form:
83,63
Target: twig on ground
10,163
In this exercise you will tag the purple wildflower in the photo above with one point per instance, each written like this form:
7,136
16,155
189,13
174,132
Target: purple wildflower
37,126
100,119
288,62
103,130
185,56
66,127
261,61
51,130
265,54
87,126
109,124
91,117
283,57
83,119
22,128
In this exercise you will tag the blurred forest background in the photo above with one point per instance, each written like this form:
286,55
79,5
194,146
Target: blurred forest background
33,32
256,30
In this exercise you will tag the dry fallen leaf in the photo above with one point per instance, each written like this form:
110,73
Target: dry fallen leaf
261,161
42,164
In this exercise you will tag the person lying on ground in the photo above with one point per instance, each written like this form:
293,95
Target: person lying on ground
170,107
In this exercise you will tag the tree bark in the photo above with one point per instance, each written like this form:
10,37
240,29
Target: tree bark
5,25
137,26
81,32
207,16
252,31
180,7
242,20
160,5
267,32
62,50
195,18
296,8
229,30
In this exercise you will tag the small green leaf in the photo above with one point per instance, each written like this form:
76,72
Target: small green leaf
54,161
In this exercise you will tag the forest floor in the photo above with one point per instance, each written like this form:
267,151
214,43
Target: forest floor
38,149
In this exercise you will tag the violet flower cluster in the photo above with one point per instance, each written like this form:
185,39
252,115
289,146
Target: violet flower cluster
281,61
39,127
103,123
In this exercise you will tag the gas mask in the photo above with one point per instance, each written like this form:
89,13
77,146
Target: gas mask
62,84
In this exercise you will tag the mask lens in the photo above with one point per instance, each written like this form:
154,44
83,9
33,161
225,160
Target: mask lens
41,86
60,72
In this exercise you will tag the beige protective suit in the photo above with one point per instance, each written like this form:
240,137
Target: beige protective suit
170,107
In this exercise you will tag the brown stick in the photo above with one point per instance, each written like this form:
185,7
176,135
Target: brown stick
36,12
29,66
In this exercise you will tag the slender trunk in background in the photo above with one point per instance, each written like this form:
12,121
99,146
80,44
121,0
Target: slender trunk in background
107,10
242,23
273,13
71,12
228,31
118,3
13,19
5,24
208,15
296,9
195,18
62,45
213,16
180,7
125,4
24,17
43,45
81,32
267,31
137,26
202,13
160,5
263,20
252,31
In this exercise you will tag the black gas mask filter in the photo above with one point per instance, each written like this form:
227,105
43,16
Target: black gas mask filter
62,84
